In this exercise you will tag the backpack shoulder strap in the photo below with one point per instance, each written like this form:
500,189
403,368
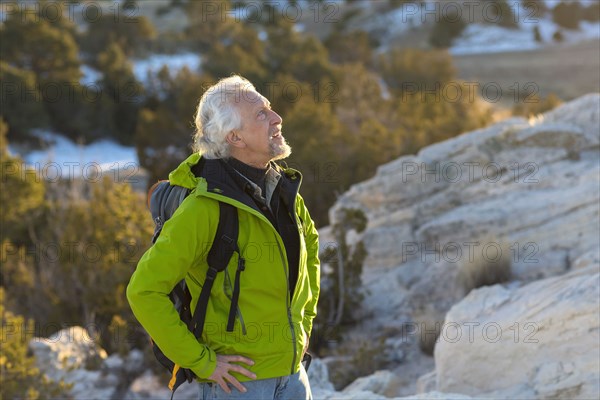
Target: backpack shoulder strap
221,251
225,243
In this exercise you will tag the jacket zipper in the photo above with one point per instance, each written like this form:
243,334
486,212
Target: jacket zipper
283,262
288,305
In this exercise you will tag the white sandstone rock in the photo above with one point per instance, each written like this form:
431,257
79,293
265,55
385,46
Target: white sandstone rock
73,356
529,184
384,383
537,341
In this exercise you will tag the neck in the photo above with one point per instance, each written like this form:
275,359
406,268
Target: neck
251,162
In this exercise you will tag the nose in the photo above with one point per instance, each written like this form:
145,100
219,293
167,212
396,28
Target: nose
276,118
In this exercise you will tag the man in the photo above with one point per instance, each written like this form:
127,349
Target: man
238,136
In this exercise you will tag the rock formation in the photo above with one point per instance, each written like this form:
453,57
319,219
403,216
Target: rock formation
528,189
537,341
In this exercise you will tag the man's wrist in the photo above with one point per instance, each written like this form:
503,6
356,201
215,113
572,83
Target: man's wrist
208,367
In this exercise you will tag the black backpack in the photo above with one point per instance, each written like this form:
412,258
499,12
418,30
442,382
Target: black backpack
163,200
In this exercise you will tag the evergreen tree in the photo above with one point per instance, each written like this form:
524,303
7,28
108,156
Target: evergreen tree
133,34
426,118
209,23
303,57
310,62
567,14
3,140
413,69
592,12
238,51
537,35
356,46
22,106
123,91
21,196
165,127
503,14
49,50
318,149
31,42
446,29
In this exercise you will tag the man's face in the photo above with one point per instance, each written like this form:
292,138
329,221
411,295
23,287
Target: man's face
260,131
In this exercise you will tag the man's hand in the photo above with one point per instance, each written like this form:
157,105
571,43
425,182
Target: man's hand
221,374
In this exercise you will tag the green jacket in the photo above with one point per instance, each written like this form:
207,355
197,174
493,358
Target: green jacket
271,327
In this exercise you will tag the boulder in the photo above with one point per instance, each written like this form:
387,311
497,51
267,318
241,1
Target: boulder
318,375
436,396
149,386
381,382
427,383
539,340
73,356
518,180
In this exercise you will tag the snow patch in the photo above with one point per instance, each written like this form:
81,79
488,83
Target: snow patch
66,159
484,38
90,76
149,67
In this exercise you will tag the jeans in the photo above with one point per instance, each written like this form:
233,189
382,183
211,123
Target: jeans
290,387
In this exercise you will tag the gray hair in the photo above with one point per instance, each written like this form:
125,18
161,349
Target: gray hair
217,115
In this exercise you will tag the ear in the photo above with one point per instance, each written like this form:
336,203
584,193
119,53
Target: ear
235,140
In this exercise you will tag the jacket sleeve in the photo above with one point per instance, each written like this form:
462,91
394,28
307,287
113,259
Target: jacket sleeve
158,271
311,237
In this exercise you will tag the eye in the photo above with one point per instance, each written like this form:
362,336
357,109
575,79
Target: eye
262,114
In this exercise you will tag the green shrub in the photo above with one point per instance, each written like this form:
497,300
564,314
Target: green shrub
21,196
420,68
70,240
537,36
503,14
356,46
357,357
446,29
567,14
429,333
341,294
592,12
534,105
19,376
347,284
558,36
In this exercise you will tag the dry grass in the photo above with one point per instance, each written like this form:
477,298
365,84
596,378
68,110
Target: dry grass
490,264
356,357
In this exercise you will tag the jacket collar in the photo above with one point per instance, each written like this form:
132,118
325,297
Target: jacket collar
221,179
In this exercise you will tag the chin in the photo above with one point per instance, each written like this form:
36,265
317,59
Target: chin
281,151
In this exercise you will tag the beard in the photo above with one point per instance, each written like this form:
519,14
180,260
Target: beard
279,151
